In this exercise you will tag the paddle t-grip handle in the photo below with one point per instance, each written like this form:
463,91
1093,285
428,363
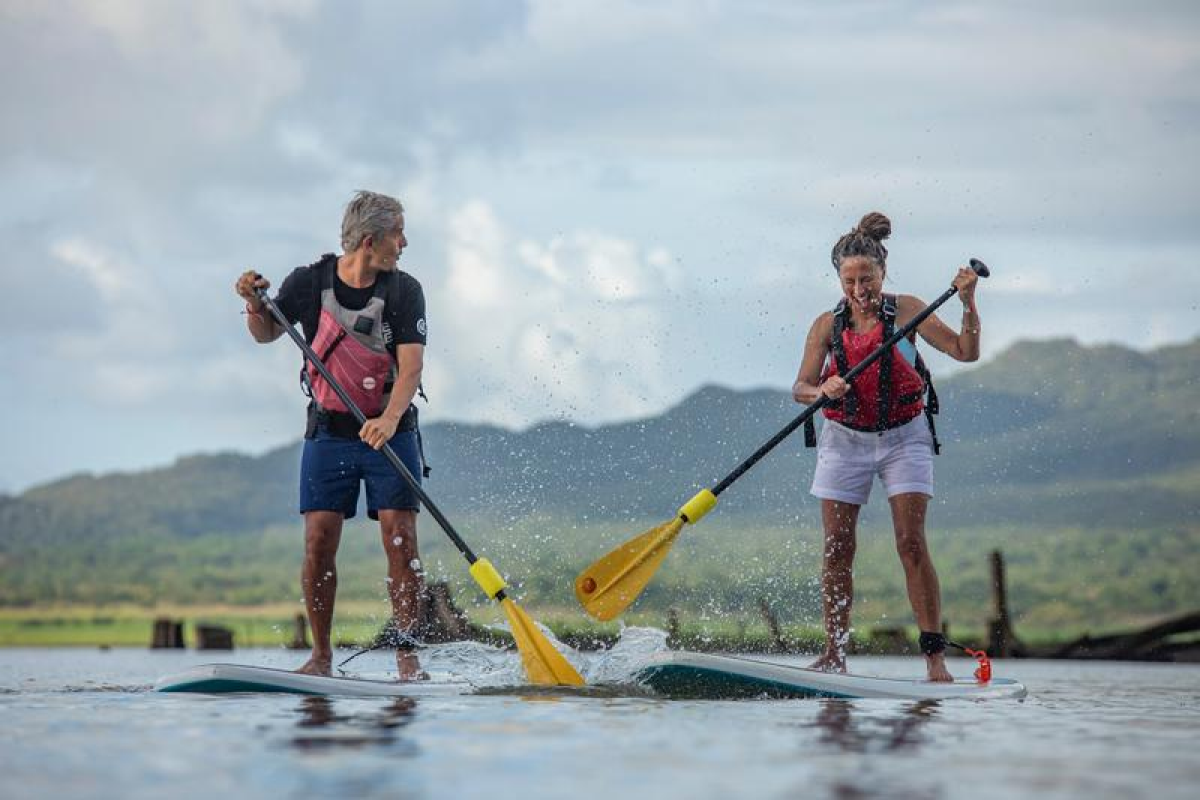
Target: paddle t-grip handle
981,269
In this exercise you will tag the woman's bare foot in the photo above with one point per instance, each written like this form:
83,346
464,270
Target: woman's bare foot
830,662
317,665
937,668
408,668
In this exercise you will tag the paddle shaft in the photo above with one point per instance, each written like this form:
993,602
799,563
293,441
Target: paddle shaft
387,450
980,269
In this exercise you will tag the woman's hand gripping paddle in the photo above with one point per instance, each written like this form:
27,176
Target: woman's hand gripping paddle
543,663
607,587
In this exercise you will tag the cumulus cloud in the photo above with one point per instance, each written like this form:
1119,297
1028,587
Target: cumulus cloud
142,80
610,202
527,330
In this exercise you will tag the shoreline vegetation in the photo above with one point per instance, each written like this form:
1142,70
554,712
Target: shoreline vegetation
1090,492
358,624
1062,582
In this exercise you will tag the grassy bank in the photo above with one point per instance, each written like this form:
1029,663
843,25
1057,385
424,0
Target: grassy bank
131,626
1060,580
273,626
1063,582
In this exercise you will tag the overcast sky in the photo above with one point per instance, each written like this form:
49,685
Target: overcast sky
609,203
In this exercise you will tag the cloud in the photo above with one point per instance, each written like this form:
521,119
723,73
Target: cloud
142,81
610,203
523,330
111,278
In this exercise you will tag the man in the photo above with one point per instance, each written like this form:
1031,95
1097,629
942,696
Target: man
366,320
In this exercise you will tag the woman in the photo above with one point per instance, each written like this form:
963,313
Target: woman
877,426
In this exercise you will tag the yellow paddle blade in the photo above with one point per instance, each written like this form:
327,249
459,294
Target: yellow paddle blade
606,588
544,665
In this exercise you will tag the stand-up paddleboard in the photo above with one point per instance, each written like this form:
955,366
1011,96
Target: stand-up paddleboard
226,678
703,676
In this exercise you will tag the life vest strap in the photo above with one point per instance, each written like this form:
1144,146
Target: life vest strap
887,316
305,381
849,403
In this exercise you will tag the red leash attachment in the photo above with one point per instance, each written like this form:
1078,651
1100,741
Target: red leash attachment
934,642
983,672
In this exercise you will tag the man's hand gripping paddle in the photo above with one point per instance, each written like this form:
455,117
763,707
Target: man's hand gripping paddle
543,663
607,587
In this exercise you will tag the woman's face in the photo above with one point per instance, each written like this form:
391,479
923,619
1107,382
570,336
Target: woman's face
862,283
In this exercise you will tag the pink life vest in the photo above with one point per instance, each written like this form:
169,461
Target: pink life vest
351,345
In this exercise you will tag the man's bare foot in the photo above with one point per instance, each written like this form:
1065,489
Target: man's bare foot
317,665
408,668
830,662
937,669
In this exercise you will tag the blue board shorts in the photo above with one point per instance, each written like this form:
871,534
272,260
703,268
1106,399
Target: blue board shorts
332,467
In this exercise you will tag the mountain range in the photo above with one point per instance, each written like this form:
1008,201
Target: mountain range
1047,435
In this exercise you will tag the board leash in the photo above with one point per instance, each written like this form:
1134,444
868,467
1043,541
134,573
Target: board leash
390,636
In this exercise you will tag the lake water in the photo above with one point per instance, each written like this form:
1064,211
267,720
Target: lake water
84,723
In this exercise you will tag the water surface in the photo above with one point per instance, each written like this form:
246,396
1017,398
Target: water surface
84,723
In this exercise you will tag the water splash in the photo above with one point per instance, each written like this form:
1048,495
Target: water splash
619,664
487,667
475,663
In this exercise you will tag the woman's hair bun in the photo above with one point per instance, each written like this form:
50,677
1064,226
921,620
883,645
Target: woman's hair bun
875,226
865,240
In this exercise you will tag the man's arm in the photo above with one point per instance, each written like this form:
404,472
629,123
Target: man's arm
262,325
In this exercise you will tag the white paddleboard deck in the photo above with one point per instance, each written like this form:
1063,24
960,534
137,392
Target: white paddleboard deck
227,678
717,677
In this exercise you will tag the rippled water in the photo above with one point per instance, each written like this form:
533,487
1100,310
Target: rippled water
84,723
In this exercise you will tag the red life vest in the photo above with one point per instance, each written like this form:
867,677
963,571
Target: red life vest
890,392
351,345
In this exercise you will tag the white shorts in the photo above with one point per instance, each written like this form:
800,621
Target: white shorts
848,461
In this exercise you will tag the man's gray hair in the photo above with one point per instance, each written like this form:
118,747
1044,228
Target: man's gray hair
369,214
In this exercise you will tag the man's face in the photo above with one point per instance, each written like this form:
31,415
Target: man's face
385,251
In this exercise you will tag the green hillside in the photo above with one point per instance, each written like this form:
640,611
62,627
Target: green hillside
1081,463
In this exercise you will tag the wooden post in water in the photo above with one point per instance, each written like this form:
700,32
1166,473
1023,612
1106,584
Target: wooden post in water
777,644
673,627
300,634
167,634
442,621
1000,626
213,637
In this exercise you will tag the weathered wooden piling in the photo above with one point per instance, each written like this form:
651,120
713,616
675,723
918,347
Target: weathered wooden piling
168,633
1154,643
213,637
889,640
777,643
441,620
999,625
673,627
1002,640
299,634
